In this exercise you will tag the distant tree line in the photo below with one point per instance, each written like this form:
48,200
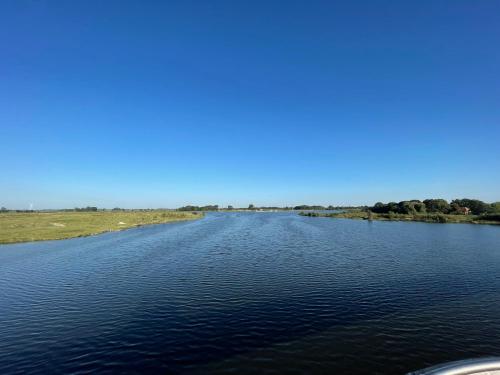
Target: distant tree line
455,207
307,207
214,207
5,210
253,207
330,207
85,209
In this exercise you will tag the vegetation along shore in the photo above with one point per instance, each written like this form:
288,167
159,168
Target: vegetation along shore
55,225
470,211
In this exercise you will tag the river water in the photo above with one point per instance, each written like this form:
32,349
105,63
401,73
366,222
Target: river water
247,293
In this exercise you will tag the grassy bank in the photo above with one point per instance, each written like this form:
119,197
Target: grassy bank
425,217
38,226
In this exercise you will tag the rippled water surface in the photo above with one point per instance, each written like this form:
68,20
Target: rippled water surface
248,293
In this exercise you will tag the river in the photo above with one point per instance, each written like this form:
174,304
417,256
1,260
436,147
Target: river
247,293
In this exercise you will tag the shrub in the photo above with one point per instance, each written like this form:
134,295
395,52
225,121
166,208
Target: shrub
441,218
489,217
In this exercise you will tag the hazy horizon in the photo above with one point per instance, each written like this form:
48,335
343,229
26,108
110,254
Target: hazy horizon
162,104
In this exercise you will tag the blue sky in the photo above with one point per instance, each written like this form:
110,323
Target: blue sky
165,103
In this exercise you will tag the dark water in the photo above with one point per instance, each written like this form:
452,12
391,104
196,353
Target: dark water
247,293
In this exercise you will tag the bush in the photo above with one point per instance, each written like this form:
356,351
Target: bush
490,217
441,218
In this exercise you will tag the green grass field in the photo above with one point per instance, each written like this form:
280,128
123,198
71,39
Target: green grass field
38,226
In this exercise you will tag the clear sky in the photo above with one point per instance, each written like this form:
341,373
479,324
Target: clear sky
166,103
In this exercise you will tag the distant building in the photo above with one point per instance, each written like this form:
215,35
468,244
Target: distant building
464,210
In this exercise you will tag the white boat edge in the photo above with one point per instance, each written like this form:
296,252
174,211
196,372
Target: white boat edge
479,366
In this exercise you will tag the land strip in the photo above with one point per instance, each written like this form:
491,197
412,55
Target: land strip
39,226
425,217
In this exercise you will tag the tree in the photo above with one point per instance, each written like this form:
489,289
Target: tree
251,206
3,209
410,207
437,205
230,207
419,207
476,206
393,207
380,208
405,207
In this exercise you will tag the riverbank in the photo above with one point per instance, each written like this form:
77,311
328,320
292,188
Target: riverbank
424,217
39,226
